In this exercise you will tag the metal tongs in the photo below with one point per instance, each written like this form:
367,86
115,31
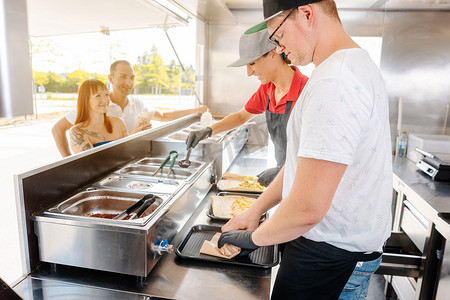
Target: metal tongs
138,208
169,157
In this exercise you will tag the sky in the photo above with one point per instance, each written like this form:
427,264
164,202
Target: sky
94,52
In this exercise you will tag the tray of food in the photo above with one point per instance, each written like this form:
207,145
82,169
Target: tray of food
239,183
194,240
226,205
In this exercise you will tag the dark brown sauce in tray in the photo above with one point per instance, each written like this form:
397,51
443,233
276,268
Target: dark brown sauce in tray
105,216
111,216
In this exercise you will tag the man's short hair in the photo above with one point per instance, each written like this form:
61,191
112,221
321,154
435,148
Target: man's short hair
113,66
329,8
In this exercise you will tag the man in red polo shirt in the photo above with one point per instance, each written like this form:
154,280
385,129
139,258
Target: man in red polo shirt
281,85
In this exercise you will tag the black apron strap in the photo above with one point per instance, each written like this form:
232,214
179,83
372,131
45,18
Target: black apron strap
276,125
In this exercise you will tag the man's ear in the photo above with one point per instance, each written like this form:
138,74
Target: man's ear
273,53
306,11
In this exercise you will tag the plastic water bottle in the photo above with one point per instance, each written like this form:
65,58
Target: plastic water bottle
402,143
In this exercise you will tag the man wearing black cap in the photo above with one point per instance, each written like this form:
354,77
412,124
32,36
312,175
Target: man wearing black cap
335,188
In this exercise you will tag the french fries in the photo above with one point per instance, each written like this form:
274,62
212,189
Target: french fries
240,205
252,182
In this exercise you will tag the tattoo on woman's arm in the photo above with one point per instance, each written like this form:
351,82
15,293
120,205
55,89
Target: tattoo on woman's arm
77,136
79,139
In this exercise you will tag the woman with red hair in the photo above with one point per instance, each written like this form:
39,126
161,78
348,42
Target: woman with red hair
92,126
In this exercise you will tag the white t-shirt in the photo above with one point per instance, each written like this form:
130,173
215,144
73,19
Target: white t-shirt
129,115
342,116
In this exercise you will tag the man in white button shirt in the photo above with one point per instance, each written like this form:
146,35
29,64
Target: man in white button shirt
334,191
122,105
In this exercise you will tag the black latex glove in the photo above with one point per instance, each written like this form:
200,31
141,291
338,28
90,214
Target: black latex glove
196,136
240,238
267,176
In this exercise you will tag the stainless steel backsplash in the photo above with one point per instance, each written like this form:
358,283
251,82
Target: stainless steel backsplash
415,61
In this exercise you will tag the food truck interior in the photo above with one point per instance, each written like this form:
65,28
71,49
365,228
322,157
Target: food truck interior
63,251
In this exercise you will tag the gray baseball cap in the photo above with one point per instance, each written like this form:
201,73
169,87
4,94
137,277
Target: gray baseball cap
252,46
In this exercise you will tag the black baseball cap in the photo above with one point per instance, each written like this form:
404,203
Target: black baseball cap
273,8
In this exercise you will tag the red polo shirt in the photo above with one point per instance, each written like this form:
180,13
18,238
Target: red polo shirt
258,102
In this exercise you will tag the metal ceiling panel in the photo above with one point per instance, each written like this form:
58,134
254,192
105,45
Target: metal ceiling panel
257,4
49,17
358,4
417,5
209,11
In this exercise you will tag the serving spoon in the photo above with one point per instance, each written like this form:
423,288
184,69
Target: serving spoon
185,163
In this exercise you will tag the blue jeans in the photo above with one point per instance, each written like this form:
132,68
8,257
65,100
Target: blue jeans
357,285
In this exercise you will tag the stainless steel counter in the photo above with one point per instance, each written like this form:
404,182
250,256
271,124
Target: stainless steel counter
418,205
171,278
428,196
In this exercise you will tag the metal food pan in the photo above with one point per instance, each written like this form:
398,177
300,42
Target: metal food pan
84,204
137,171
188,130
195,126
179,135
154,185
189,248
157,161
211,215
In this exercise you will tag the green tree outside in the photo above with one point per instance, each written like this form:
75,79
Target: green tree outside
152,77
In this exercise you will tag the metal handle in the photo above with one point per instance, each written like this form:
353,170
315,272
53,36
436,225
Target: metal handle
174,158
139,203
427,154
220,140
168,158
144,206
188,153
133,207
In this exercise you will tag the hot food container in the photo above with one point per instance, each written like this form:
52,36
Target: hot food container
141,185
103,206
222,149
146,172
155,161
69,233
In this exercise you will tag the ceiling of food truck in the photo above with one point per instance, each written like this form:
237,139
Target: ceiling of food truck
49,17
354,4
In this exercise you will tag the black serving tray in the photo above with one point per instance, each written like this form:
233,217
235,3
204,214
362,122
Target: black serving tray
189,248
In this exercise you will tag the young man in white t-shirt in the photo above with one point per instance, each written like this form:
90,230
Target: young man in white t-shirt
334,192
122,105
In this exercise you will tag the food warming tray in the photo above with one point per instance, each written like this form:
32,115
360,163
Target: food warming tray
83,204
211,215
150,185
157,161
189,248
146,172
